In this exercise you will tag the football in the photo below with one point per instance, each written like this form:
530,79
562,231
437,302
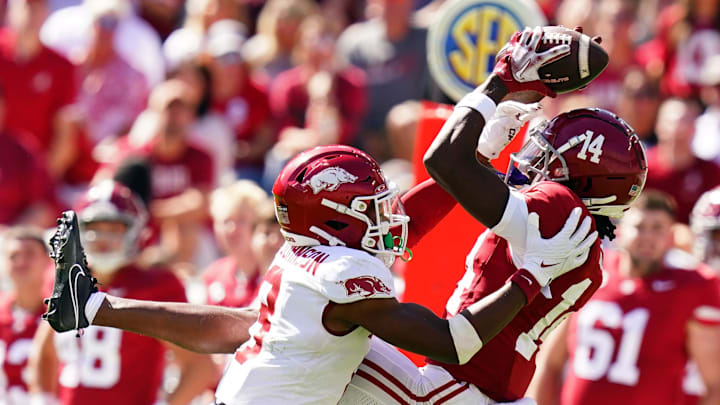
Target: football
587,59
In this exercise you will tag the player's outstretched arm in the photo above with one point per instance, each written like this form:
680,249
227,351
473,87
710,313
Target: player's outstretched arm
451,158
198,328
451,161
76,303
456,340
417,329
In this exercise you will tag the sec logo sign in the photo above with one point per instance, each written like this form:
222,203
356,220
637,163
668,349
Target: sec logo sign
466,36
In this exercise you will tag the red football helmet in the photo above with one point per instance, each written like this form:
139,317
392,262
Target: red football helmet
705,224
337,195
592,151
110,201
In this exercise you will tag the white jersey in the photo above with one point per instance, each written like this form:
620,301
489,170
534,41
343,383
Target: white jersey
291,357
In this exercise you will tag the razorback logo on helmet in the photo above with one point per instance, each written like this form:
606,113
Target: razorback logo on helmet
365,286
330,179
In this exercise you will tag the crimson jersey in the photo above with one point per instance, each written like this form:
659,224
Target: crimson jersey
503,368
24,179
17,328
108,366
628,345
34,90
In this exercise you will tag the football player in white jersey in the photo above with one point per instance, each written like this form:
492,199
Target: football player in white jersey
328,289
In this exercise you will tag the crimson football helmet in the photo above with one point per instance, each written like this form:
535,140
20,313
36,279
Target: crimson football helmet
110,201
705,224
592,151
337,195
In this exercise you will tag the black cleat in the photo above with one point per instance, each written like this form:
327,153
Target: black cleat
73,281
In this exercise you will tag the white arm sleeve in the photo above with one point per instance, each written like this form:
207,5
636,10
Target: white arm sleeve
513,225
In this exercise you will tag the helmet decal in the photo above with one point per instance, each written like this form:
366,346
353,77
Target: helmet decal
330,179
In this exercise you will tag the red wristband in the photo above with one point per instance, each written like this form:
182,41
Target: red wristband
527,283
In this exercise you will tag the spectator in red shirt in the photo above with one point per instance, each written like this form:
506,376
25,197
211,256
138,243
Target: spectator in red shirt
241,97
319,102
613,22
182,174
25,260
112,93
321,95
36,80
234,279
672,166
686,36
27,194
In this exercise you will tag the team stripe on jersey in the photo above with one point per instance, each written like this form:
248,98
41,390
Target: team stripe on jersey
388,389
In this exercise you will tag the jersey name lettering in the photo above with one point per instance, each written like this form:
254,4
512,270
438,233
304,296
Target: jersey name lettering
303,257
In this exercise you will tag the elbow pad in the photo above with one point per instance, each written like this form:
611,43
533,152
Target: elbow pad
465,338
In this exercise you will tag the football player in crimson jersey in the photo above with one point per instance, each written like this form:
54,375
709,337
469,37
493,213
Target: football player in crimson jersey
25,259
705,225
329,287
586,158
631,342
107,365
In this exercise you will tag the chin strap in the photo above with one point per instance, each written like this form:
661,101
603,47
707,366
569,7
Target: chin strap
599,206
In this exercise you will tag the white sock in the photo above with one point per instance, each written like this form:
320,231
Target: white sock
93,305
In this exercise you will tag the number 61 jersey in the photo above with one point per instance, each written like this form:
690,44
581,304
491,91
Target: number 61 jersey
628,344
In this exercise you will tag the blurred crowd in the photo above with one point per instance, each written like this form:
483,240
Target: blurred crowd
194,106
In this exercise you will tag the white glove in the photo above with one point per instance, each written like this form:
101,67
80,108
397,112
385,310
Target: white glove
547,259
501,129
526,61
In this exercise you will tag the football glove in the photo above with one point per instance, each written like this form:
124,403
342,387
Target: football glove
518,62
501,129
74,284
547,259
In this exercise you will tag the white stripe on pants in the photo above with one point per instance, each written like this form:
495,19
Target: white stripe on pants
387,377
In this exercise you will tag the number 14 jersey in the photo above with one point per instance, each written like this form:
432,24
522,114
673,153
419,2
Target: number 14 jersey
503,368
628,344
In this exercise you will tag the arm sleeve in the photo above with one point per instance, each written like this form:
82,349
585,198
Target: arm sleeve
426,204
512,226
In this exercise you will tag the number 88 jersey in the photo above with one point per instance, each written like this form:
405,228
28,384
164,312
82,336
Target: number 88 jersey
109,366
628,344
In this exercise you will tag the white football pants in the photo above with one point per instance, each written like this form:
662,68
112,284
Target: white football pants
387,377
